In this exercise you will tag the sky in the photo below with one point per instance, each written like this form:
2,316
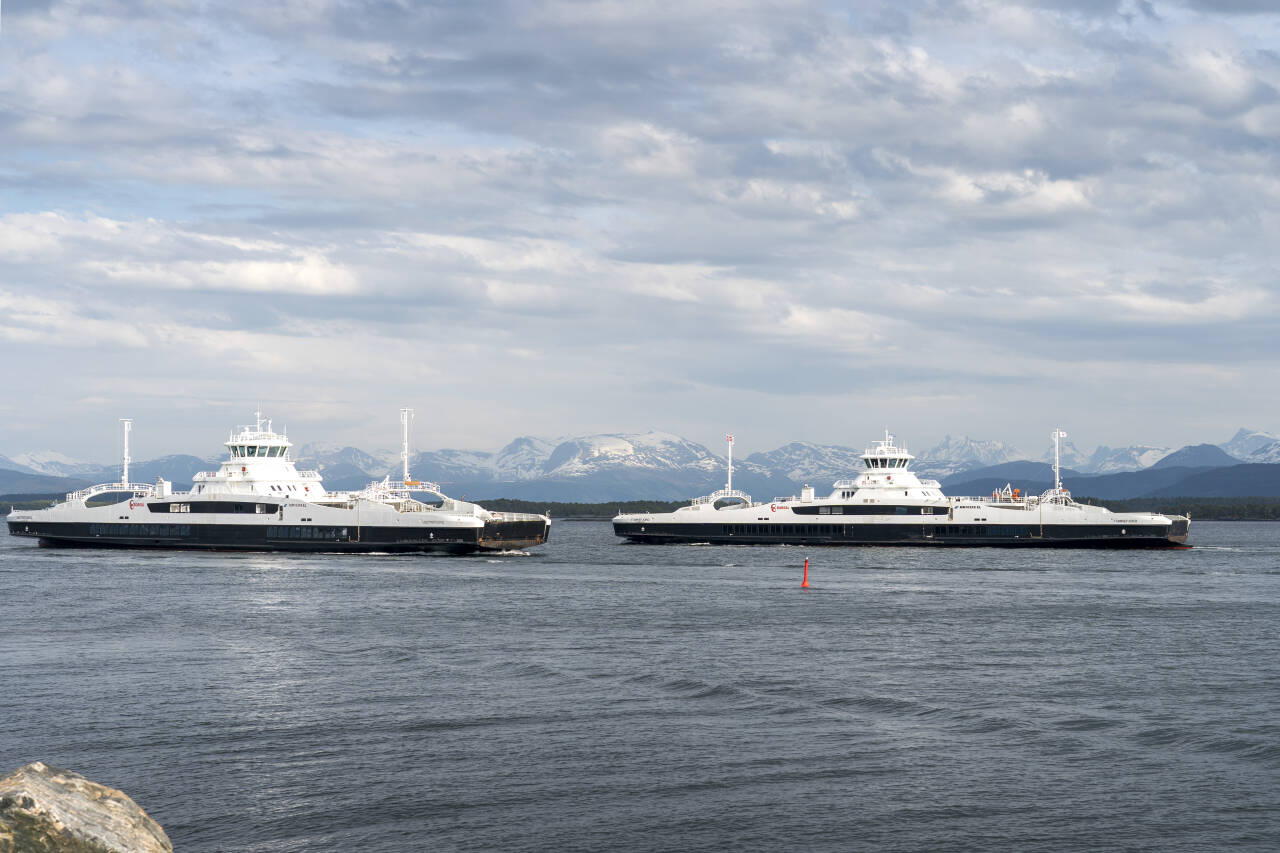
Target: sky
803,220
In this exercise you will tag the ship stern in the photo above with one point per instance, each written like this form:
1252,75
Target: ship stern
513,531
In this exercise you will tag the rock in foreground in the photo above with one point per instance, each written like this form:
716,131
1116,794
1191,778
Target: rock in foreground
47,810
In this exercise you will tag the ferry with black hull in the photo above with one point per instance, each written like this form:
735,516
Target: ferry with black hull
887,504
258,501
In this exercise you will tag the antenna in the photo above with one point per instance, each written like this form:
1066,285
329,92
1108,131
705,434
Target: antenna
729,485
406,415
1057,468
124,468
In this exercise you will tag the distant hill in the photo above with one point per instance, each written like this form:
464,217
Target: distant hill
1005,472
20,482
1248,480
1126,484
1197,456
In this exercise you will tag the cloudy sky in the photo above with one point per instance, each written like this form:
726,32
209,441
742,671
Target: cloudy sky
792,220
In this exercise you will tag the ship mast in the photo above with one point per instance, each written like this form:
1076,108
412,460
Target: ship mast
406,415
728,487
124,467
1057,468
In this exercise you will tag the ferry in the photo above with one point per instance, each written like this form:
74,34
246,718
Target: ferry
887,504
259,501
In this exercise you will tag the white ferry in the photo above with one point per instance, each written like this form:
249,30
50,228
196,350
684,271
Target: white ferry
887,504
258,501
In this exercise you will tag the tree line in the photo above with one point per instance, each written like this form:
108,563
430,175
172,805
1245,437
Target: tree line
1205,509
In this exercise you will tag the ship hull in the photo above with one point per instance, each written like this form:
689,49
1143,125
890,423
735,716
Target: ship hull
300,538
931,535
508,535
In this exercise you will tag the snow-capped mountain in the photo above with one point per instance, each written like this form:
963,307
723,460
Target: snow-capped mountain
54,464
804,462
1251,445
1110,460
525,458
7,464
1267,453
655,451
654,464
954,455
325,457
1070,456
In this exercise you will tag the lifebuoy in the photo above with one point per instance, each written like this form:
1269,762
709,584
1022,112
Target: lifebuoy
243,469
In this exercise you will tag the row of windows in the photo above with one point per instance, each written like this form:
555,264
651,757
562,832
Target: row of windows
335,534
1010,530
1013,530
242,450
781,529
887,463
869,509
155,530
234,507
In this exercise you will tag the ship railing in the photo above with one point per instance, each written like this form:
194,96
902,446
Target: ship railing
1050,497
138,490
387,491
309,475
515,516
722,494
988,499
844,484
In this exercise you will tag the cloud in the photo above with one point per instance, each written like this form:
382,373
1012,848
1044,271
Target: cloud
940,200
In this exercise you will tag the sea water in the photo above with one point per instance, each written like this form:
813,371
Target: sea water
593,695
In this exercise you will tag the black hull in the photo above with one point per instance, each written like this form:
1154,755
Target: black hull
276,538
513,535
934,535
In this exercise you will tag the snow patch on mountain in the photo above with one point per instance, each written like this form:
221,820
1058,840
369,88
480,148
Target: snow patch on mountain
525,458
953,455
1110,460
1266,453
55,464
1251,445
653,451
804,462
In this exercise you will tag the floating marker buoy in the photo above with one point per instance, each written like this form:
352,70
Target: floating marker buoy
805,583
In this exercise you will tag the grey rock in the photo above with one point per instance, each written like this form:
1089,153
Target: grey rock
47,810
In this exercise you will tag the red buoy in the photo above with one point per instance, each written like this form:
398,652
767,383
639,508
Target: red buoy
805,583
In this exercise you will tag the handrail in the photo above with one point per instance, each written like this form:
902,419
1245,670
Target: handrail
143,490
515,516
722,494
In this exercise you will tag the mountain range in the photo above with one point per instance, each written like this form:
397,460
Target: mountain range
660,465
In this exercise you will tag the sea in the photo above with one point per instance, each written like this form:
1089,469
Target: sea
598,696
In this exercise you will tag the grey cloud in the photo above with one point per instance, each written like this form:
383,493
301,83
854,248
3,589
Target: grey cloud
609,189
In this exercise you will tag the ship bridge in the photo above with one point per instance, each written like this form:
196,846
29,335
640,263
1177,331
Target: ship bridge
886,455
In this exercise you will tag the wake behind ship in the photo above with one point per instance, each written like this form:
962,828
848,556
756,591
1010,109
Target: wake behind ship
886,504
258,501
